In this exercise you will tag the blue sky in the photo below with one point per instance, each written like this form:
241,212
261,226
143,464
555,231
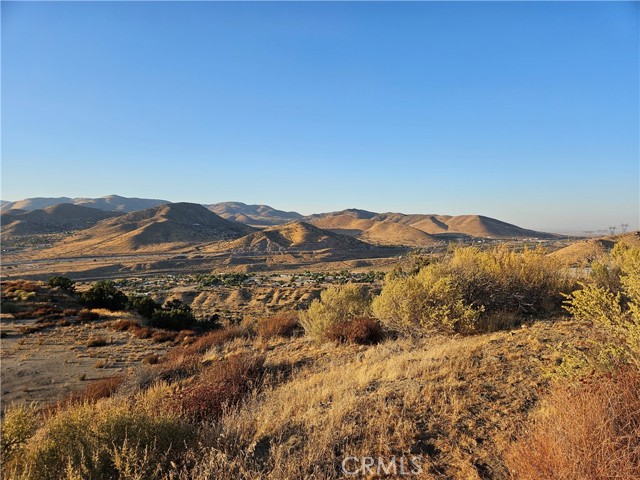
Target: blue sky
527,112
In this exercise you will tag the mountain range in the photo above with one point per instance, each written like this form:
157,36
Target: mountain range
167,227
54,219
115,224
110,203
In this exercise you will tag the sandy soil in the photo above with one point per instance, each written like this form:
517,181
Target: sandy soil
45,366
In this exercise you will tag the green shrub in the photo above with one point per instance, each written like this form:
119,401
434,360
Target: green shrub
9,307
104,294
145,306
63,282
174,315
336,304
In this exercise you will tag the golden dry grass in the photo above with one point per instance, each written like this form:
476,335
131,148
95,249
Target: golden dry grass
455,401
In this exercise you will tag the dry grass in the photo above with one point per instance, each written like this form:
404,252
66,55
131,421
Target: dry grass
454,402
586,432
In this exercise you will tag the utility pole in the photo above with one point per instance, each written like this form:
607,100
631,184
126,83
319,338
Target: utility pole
624,227
612,230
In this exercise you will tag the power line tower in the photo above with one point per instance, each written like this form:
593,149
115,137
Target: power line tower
612,230
624,227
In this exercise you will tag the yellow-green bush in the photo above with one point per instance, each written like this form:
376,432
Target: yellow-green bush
109,439
473,289
424,302
336,304
611,301
19,424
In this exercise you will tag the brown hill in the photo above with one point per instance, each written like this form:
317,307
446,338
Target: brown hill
59,218
164,228
258,215
583,252
417,229
295,236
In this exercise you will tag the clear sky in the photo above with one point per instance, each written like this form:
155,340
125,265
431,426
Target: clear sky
527,112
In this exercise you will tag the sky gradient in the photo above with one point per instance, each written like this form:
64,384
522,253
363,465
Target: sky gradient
527,112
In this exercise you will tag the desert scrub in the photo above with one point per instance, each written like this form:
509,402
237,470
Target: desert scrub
613,307
422,303
97,342
18,425
336,304
223,384
108,439
361,331
281,325
472,290
585,431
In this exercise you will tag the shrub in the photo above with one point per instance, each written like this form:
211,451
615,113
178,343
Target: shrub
336,304
281,325
587,431
161,337
145,306
88,316
423,303
97,389
614,309
223,384
216,338
19,423
108,439
9,307
25,314
63,282
465,290
97,342
174,315
104,294
362,331
123,325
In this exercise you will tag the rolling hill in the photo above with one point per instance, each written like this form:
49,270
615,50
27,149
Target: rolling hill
417,229
295,237
111,203
257,215
167,227
59,218
583,252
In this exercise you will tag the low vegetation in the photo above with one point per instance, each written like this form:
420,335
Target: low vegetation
104,294
337,304
429,365
285,325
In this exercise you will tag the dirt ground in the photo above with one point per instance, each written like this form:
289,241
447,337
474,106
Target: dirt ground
46,366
